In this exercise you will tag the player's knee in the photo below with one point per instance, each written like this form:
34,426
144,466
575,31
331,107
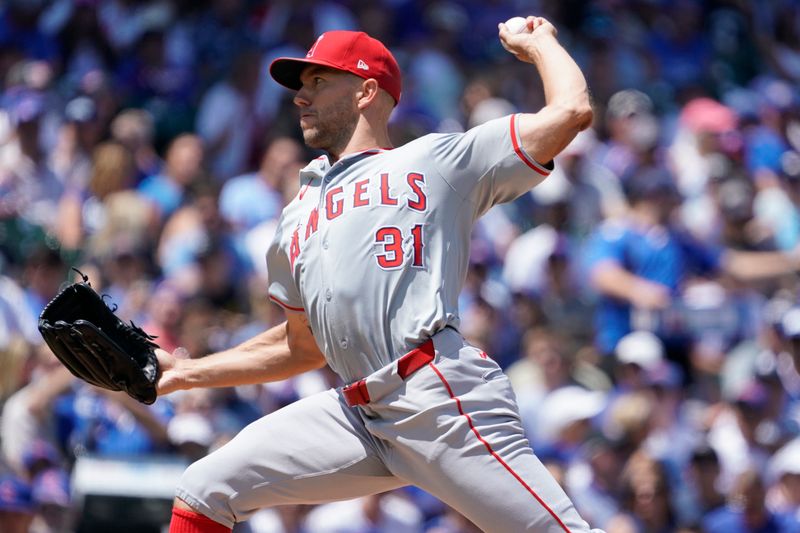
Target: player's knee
191,481
202,490
178,503
197,478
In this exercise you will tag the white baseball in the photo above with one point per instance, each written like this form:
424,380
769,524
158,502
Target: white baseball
517,25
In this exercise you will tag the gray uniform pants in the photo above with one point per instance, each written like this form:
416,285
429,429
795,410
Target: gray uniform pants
452,428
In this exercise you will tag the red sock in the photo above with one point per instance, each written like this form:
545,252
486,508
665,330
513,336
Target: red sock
184,521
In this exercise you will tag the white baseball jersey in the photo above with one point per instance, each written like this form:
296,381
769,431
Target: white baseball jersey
375,247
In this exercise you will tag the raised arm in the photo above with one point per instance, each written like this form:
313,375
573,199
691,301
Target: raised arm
279,353
755,266
567,107
611,279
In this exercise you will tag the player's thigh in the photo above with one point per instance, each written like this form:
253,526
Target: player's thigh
482,465
311,451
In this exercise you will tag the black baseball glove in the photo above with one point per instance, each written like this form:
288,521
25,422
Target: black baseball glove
98,347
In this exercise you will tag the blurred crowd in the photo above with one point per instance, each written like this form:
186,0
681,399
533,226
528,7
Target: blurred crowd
643,299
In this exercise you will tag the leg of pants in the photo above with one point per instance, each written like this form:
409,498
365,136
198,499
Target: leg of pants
464,443
312,451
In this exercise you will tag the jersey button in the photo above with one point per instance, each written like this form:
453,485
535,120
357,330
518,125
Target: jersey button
328,295
324,245
343,343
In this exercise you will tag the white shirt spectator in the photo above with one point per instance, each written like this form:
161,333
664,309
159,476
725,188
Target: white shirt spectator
226,114
397,515
13,321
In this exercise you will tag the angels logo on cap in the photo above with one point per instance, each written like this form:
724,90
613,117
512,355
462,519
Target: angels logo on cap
314,46
350,51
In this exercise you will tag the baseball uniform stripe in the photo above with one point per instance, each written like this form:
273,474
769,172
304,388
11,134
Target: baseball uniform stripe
305,188
493,453
285,306
521,153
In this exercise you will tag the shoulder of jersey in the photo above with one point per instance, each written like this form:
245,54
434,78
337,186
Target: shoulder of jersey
318,163
420,146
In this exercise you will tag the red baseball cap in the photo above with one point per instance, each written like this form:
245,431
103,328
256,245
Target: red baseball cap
351,51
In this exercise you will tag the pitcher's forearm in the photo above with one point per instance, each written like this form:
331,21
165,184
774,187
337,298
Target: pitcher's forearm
564,84
568,108
265,357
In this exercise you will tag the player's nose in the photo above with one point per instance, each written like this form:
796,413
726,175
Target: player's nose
301,98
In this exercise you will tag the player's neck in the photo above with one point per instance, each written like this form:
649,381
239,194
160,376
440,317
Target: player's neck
365,137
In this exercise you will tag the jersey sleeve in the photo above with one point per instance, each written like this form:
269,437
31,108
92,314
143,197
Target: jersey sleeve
282,287
487,163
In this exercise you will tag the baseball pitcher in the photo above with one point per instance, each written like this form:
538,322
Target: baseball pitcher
368,262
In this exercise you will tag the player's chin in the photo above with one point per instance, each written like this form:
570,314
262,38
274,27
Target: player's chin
312,138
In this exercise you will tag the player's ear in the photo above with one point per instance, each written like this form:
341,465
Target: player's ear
367,93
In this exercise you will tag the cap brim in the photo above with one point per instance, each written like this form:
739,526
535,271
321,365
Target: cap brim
287,70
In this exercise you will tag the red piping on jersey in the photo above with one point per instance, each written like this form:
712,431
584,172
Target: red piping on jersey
519,151
372,151
303,192
368,151
493,453
285,306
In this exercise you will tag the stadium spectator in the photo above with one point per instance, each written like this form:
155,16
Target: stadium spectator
183,166
644,261
227,120
29,189
746,509
646,497
250,199
16,505
134,129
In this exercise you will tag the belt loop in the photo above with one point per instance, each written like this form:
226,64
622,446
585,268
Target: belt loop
356,393
361,386
416,359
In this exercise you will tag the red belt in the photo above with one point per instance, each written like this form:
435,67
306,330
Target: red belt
357,394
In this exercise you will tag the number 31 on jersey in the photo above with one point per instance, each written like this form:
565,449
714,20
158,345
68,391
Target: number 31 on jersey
393,253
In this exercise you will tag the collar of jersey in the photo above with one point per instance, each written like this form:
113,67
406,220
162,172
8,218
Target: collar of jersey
321,165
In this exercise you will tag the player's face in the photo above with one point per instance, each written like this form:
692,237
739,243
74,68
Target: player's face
328,111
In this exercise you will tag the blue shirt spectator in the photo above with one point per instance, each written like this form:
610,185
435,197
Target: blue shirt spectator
662,255
16,504
163,192
183,167
95,423
734,520
250,199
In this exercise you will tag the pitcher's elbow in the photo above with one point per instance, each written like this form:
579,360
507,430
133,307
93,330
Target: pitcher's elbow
575,114
582,114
